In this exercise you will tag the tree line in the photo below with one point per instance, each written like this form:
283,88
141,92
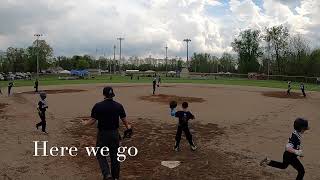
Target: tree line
276,52
206,63
25,59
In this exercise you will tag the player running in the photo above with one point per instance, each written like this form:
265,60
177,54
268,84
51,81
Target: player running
293,150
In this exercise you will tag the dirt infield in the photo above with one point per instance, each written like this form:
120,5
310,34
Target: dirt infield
235,127
155,142
163,98
2,106
282,94
56,91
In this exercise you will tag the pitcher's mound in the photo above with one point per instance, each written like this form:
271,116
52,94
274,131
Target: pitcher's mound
283,94
163,98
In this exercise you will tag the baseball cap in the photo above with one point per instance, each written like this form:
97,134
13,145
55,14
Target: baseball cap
108,92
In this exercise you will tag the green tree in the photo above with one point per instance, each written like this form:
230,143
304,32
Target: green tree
247,45
82,64
44,51
227,63
277,38
313,64
16,59
298,55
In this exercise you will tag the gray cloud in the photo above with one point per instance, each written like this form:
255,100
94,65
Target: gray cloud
81,26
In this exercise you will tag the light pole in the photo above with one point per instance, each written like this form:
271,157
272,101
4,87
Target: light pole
120,39
99,63
97,59
166,59
114,58
38,36
187,41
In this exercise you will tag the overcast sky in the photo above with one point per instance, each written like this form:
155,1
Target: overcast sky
80,26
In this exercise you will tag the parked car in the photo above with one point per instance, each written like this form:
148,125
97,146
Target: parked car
19,75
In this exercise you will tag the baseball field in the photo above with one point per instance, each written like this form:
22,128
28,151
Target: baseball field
238,123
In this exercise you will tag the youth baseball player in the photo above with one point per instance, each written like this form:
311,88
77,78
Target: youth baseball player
159,80
303,89
36,85
154,84
184,116
289,88
10,85
292,151
42,107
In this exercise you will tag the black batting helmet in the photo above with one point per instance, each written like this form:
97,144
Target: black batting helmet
43,95
108,92
301,124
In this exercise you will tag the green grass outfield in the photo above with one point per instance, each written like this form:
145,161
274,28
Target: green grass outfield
53,80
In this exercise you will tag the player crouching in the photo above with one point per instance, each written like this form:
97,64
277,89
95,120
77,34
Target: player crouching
293,150
184,116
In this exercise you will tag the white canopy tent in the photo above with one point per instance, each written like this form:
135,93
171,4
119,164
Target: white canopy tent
64,72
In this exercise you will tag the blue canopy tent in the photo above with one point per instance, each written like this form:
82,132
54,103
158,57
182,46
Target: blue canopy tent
81,73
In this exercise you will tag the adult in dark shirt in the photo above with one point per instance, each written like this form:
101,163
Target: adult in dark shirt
107,113
293,150
184,117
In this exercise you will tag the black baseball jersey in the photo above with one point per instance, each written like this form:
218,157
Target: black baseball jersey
154,82
184,117
107,113
42,105
295,141
302,86
10,84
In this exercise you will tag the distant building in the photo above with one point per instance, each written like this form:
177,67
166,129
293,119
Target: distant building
94,71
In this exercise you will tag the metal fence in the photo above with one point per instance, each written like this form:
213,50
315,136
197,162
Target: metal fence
305,79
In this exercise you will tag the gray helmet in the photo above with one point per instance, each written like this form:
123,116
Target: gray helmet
301,124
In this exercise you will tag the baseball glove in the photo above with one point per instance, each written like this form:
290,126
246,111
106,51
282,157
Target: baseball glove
127,133
173,104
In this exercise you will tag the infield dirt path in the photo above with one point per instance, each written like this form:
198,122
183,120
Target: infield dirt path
235,128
